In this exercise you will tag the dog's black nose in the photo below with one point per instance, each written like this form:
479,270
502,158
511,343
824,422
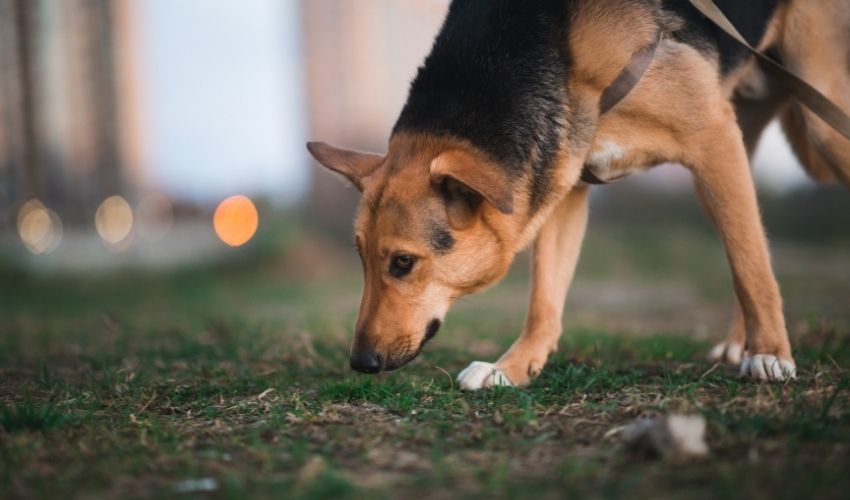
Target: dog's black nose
366,361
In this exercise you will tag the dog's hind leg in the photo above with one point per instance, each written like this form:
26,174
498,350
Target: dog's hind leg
718,159
816,45
731,350
555,254
754,112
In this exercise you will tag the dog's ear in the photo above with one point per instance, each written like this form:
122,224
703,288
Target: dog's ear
466,180
354,165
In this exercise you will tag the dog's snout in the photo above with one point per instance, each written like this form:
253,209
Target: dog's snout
366,361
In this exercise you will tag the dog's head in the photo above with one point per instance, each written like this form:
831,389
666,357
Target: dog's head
429,230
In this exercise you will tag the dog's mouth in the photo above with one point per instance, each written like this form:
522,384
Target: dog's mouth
430,332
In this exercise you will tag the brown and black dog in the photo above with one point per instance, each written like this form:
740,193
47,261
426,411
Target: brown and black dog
504,129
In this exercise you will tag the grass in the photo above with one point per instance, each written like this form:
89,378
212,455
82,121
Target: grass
234,379
30,416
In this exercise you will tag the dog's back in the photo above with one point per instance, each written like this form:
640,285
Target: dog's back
751,18
495,60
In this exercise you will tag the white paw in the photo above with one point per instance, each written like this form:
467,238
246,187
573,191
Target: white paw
763,367
728,352
481,375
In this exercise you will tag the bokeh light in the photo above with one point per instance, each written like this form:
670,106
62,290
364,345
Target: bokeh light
114,222
154,216
236,220
39,228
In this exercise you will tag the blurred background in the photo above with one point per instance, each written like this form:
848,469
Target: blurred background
129,121
159,135
178,281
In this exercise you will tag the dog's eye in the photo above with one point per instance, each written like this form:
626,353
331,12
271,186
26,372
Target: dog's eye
401,265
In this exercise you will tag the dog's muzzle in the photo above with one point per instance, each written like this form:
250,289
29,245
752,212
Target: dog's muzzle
366,360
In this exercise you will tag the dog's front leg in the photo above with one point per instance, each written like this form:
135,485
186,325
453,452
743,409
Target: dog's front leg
719,163
555,253
730,350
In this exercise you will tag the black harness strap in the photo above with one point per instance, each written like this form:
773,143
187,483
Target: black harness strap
589,177
629,77
620,88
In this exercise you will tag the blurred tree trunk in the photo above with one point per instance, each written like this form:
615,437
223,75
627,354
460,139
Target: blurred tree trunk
10,140
26,29
103,96
61,136
330,201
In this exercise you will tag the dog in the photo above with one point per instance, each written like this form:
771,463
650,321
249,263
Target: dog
521,107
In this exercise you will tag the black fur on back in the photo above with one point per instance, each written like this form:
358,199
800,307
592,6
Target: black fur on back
496,77
750,17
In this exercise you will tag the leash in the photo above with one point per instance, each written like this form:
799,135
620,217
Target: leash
801,90
629,77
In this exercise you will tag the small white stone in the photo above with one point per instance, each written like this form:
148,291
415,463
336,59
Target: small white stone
674,436
480,375
202,485
688,434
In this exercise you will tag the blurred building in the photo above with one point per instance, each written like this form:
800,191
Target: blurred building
69,124
360,56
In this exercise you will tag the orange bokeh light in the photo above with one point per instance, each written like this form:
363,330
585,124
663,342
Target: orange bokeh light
236,220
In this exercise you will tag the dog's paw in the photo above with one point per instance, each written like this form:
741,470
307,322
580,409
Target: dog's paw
766,367
481,375
726,352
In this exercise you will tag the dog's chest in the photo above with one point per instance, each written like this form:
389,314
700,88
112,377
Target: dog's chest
609,161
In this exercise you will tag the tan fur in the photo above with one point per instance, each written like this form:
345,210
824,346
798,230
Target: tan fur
597,24
476,172
794,125
816,45
353,165
556,252
394,313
